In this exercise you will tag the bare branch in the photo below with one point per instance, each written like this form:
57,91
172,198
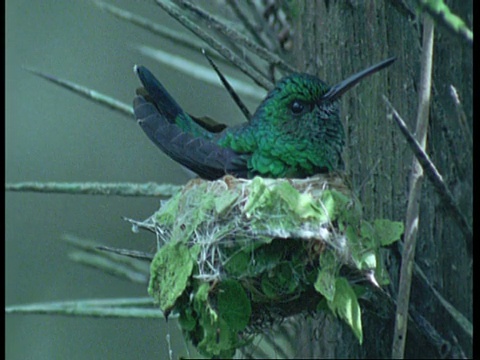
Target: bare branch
411,221
462,119
237,37
200,72
85,92
141,255
175,12
117,265
112,308
245,18
460,319
436,178
108,266
229,88
154,28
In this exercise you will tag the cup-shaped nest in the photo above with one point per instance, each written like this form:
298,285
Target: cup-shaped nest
236,255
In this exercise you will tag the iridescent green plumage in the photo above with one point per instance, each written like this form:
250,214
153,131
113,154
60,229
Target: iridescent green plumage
292,133
295,132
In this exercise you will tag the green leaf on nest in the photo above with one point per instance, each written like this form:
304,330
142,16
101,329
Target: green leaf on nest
218,340
301,205
388,231
200,301
216,330
169,273
258,196
325,284
283,199
168,210
233,305
237,264
345,305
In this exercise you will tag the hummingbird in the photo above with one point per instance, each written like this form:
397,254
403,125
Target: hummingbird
296,131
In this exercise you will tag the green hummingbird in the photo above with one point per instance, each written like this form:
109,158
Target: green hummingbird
295,132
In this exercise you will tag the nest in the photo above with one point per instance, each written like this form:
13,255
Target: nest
235,255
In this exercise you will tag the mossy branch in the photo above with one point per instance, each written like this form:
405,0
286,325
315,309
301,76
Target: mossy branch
95,188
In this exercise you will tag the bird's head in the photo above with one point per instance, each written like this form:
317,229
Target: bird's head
299,122
300,99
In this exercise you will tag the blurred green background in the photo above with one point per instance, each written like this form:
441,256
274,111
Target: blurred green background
54,135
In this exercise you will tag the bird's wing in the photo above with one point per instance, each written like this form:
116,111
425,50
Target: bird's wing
209,124
154,92
206,158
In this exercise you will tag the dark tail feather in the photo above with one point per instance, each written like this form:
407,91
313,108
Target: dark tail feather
204,157
160,96
154,92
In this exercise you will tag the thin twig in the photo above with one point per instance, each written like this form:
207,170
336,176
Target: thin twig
89,247
85,92
108,266
146,224
239,38
200,72
436,178
411,221
154,28
229,88
423,325
403,9
176,13
261,17
230,43
441,344
95,188
459,318
253,29
140,255
114,264
112,308
462,119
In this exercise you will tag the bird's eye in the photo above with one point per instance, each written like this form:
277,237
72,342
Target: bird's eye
297,107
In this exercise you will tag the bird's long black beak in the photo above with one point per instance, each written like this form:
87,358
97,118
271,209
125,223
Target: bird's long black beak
339,89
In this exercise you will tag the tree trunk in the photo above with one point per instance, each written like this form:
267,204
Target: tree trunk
334,39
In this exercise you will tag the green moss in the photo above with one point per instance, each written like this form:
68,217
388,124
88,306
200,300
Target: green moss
237,251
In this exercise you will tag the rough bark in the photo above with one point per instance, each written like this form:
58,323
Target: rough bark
334,39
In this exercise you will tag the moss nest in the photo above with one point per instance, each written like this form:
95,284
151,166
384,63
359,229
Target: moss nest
235,255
